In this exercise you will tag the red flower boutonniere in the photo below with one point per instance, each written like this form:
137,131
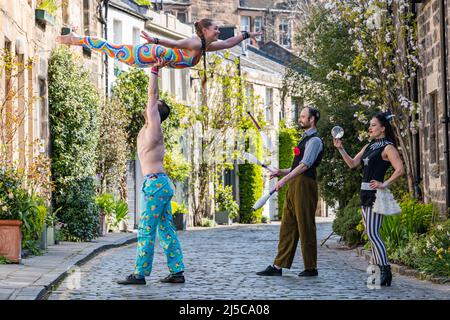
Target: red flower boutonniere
296,151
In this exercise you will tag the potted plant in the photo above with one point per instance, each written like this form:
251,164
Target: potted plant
107,206
227,209
45,11
179,213
10,222
120,214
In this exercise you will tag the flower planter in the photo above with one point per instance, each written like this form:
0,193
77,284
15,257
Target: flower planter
103,225
223,217
11,240
179,220
44,17
123,226
50,235
43,238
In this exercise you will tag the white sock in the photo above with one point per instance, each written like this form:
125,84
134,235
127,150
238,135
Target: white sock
276,267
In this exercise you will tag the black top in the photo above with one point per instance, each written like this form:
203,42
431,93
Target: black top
311,172
374,168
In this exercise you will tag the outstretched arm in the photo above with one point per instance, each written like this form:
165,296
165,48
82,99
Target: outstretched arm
153,95
190,44
351,162
230,42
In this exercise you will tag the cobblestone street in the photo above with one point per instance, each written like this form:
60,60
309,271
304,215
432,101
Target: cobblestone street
221,264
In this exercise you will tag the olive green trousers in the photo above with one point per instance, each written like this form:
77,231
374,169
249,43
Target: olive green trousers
298,222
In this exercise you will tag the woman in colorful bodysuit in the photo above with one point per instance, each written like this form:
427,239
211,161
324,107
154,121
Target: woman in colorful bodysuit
177,54
375,159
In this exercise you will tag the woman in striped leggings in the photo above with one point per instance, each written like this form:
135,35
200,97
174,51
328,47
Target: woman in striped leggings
375,159
178,54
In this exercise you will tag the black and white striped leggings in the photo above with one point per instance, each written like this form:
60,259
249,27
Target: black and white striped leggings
372,223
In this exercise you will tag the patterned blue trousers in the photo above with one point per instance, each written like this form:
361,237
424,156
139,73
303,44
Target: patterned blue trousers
157,215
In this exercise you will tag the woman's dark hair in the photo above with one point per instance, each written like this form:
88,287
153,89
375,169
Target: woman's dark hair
199,25
164,110
385,119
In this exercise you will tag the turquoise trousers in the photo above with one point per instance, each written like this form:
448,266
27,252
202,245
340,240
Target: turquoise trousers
157,215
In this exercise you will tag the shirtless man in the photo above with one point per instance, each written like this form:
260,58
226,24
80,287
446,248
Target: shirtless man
155,195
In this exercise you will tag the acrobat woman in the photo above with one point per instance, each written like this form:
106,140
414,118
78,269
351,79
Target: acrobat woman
178,54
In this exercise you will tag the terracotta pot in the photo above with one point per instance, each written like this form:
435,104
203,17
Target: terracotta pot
11,240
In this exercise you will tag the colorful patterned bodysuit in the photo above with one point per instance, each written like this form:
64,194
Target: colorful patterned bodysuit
142,55
157,215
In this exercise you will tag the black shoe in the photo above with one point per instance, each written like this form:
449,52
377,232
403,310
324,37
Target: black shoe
271,271
308,273
131,279
386,276
174,278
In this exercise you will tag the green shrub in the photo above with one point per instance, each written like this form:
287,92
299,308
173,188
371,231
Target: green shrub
225,201
287,140
250,190
106,203
80,212
3,260
208,223
74,109
347,221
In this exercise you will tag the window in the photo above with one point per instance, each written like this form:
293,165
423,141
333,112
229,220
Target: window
117,38
184,83
182,16
21,107
30,110
136,36
284,33
249,97
172,81
43,115
268,104
258,27
117,31
86,25
86,17
245,23
434,128
7,125
296,104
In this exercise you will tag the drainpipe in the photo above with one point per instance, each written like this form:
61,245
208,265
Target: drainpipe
103,18
442,9
416,139
106,56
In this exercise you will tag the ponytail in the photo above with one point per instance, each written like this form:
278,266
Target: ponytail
199,25
385,119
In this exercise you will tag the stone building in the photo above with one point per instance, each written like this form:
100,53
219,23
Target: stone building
26,36
277,19
433,77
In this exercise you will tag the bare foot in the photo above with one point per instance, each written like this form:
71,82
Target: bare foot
71,38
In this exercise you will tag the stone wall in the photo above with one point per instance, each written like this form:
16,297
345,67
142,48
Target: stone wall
432,132
29,39
221,11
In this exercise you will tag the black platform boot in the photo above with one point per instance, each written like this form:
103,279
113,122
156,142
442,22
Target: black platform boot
386,276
